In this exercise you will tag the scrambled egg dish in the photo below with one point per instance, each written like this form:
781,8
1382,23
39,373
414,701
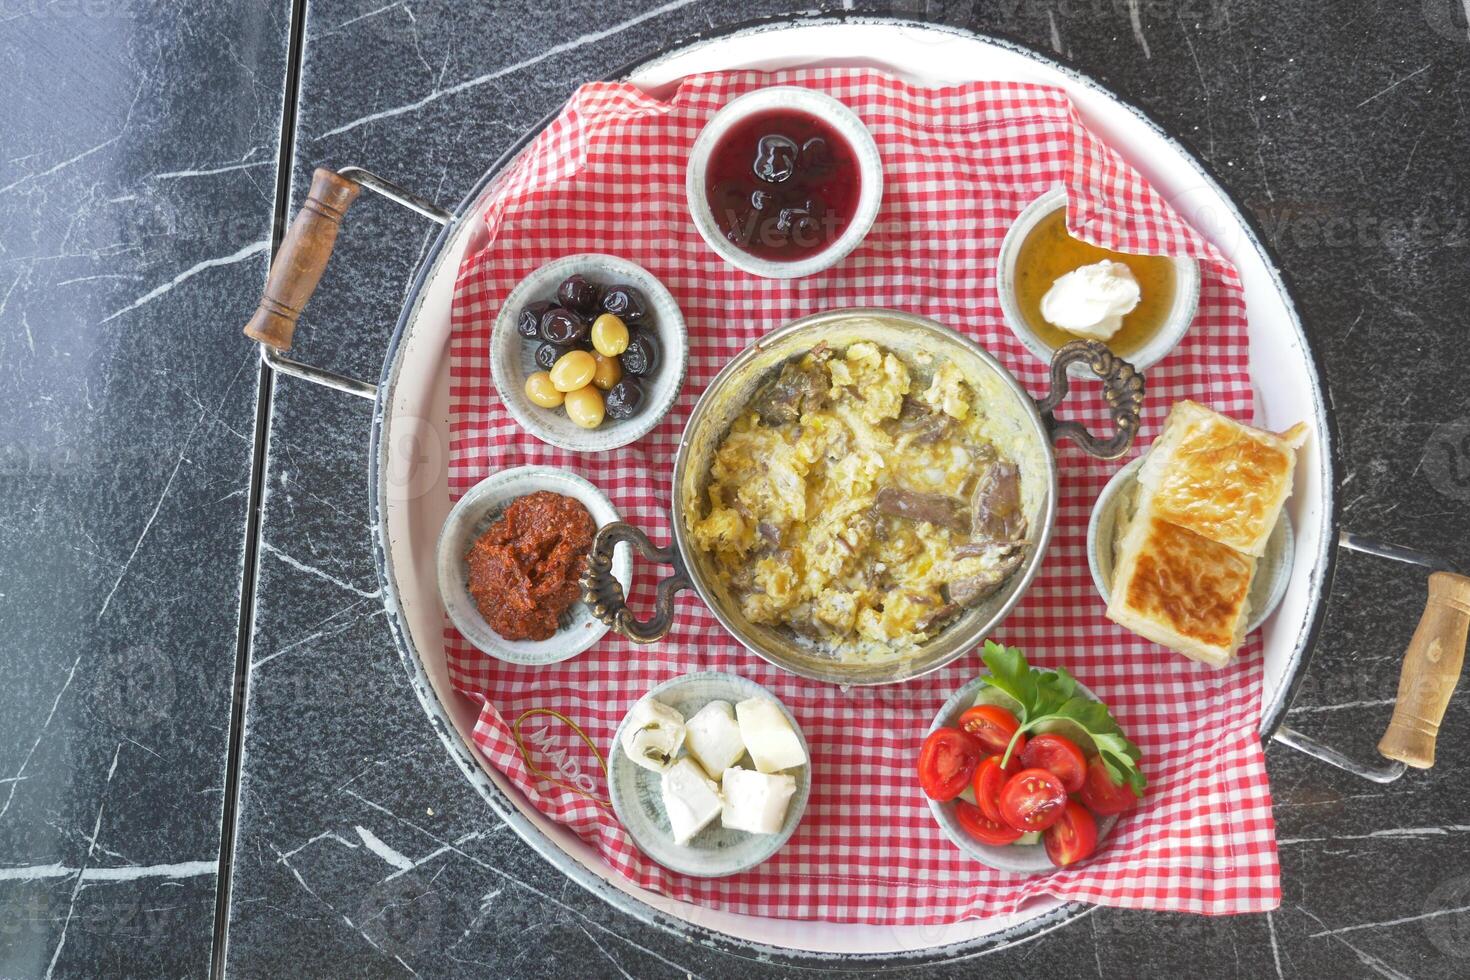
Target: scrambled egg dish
860,507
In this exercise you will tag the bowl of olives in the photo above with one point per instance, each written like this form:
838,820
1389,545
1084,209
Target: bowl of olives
588,352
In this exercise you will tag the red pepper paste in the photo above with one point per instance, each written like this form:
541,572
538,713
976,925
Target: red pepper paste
524,569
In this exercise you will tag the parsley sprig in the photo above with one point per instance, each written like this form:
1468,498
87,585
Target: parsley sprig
1047,695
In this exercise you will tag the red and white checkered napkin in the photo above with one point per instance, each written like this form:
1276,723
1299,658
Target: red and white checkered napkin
960,163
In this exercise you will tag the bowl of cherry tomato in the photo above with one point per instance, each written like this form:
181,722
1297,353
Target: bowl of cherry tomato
1025,770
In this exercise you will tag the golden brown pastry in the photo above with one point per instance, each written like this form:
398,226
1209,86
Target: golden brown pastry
1208,496
1219,477
1181,590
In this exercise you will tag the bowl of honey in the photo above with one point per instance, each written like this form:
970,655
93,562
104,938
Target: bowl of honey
1055,288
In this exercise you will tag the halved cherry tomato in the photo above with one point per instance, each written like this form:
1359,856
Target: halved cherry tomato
993,726
981,827
1032,799
1073,837
1059,756
1103,796
990,778
946,763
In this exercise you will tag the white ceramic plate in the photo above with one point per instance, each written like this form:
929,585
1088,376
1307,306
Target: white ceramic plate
1273,569
1024,859
476,511
714,852
512,357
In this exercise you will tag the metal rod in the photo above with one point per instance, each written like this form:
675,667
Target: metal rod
1368,546
1318,750
327,379
397,194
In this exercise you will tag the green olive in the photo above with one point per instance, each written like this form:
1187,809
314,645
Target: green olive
609,372
573,370
584,407
541,391
609,335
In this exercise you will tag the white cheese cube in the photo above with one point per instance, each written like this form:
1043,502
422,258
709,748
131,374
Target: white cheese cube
653,734
767,735
755,802
713,737
691,799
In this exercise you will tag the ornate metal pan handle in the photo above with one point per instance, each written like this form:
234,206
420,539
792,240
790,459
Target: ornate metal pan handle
604,594
1122,386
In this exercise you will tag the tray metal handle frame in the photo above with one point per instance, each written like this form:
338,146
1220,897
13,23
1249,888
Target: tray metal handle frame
304,253
1427,677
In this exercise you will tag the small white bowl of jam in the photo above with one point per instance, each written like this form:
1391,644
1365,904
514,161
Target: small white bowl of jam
784,182
1038,250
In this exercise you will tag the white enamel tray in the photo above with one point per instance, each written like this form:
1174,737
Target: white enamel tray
409,498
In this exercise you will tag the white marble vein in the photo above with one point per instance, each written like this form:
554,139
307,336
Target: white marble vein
477,81
37,872
210,171
1387,923
382,850
168,485
1384,91
1136,21
1390,833
254,248
75,891
1275,946
1367,959
312,570
20,773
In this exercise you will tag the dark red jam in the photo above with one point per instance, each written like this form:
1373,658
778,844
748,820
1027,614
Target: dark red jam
782,185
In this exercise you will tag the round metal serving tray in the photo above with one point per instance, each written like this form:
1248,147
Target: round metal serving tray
409,499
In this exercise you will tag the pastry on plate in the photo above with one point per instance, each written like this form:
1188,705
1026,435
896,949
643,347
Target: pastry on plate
1182,590
1218,477
1208,496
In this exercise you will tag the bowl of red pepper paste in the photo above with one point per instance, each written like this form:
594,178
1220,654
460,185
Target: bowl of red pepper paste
509,558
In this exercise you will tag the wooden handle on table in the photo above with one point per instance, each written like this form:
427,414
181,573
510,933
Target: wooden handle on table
1431,670
303,256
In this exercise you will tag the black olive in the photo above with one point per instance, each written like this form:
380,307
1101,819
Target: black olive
625,399
561,326
549,354
641,357
528,325
625,302
579,294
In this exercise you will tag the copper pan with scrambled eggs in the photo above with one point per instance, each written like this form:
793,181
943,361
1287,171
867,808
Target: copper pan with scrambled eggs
861,496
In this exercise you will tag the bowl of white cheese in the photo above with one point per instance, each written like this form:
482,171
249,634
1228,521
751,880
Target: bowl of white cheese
1055,288
709,774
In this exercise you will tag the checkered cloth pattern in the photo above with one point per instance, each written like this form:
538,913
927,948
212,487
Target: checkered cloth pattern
960,163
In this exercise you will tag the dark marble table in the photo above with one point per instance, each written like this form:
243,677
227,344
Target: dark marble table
198,710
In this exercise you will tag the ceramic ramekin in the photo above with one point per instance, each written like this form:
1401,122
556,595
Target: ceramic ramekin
833,113
482,506
1181,313
513,358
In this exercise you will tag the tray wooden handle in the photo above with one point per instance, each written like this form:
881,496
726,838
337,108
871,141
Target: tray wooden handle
1430,672
302,257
